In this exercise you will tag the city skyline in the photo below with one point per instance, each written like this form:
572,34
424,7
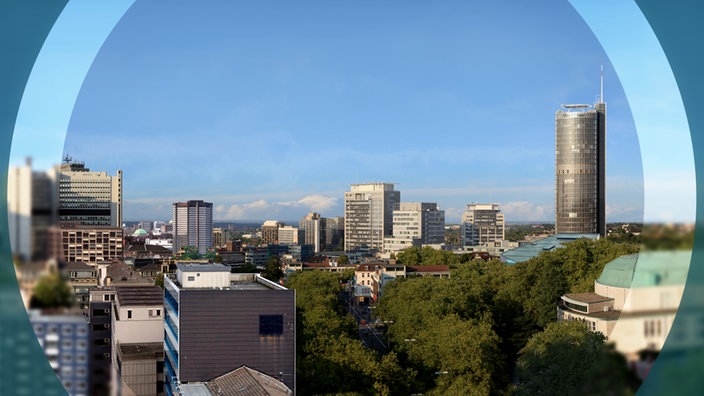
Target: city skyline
432,102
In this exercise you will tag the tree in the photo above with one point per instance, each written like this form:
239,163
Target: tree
554,361
330,356
189,253
272,270
52,291
159,281
343,259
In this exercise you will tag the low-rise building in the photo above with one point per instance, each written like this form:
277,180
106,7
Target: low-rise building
217,321
634,302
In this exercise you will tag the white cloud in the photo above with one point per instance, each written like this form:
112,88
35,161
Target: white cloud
318,203
527,211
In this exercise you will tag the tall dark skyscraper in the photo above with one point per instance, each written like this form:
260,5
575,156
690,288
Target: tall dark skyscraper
580,168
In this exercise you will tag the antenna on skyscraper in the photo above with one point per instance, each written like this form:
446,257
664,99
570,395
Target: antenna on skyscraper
601,86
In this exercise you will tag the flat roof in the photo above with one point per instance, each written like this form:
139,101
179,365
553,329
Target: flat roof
198,267
588,297
147,350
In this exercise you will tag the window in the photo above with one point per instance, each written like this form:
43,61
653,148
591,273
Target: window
191,278
129,314
270,325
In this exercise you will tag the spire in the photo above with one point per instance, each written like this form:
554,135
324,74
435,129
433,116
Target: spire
601,86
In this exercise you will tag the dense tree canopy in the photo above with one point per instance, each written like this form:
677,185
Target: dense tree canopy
498,306
331,358
463,334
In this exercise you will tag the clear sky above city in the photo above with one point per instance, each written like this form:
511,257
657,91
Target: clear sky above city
272,109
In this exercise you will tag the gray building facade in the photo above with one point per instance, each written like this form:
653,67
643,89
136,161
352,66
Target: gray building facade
193,225
217,321
369,215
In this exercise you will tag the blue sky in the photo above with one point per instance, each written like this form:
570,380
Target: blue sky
269,110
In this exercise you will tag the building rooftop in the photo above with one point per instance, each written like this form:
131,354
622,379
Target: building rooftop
79,265
534,248
647,269
139,295
197,267
587,297
143,351
241,381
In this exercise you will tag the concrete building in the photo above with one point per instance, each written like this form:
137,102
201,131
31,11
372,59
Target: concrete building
64,338
270,232
32,199
217,321
635,301
369,215
415,224
220,237
580,169
89,198
91,244
137,340
334,232
482,224
313,227
290,235
193,225
19,208
81,278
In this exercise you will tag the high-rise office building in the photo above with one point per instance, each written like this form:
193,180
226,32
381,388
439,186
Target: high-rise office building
334,232
89,198
193,225
580,169
482,224
270,232
32,210
313,227
369,215
415,224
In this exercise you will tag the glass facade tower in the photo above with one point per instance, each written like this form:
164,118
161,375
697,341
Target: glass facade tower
580,169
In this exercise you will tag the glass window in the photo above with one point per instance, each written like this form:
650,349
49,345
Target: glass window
270,325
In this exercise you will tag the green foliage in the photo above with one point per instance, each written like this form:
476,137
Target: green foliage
189,253
667,237
212,256
273,270
554,362
493,309
519,232
331,358
428,256
343,259
453,237
159,281
52,291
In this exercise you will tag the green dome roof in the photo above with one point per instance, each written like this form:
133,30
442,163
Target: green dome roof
140,232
